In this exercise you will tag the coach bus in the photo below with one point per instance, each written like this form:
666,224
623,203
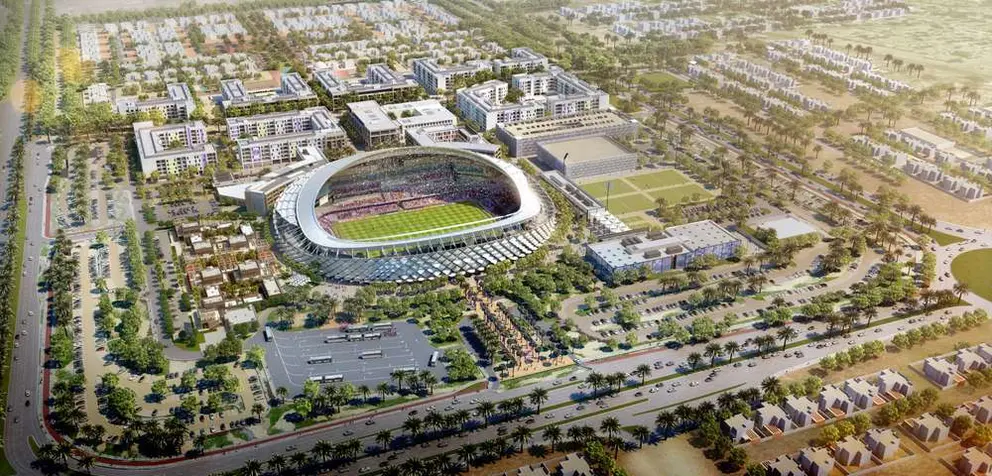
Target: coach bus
333,378
433,361
335,338
372,336
372,354
324,359
267,333
355,337
353,329
382,326
406,369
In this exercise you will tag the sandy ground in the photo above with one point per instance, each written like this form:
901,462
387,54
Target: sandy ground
82,7
673,453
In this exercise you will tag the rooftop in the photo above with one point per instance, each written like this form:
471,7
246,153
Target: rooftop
787,227
372,116
586,149
938,141
642,247
549,127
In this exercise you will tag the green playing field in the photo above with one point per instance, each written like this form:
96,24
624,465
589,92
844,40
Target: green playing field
408,224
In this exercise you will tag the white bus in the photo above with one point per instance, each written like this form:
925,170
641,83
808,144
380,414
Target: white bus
355,337
335,338
406,369
324,359
333,378
267,333
353,329
381,326
433,361
372,336
372,354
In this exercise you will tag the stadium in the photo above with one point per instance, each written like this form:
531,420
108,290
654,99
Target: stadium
410,214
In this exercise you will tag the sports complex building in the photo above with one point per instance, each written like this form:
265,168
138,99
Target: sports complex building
411,214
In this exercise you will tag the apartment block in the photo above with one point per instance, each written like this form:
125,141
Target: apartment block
381,84
373,127
269,139
292,88
178,103
173,148
434,77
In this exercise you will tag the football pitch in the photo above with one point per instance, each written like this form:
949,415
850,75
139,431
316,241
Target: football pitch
412,223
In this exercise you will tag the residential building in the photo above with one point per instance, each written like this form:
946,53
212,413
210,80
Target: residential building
929,428
485,105
292,89
802,411
772,419
586,157
982,410
96,93
894,384
207,318
436,79
922,141
882,442
783,466
852,452
816,461
521,59
968,360
739,428
862,393
381,84
985,350
974,461
372,125
941,372
522,138
271,139
834,403
178,103
173,148
673,248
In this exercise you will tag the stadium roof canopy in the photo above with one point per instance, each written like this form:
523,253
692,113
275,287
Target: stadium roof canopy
309,187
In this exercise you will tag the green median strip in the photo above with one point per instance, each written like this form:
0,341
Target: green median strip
708,395
590,415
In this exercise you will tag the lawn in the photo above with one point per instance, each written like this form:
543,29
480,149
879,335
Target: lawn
975,269
664,178
653,79
943,239
675,195
630,203
405,224
617,187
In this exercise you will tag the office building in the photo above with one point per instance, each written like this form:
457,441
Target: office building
173,148
258,196
673,248
270,139
586,157
178,103
450,136
420,114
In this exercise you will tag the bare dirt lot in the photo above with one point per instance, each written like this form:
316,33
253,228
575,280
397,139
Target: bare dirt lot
673,453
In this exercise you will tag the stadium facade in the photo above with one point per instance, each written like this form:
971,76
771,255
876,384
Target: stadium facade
520,216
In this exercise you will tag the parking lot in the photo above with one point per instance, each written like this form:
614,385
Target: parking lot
287,356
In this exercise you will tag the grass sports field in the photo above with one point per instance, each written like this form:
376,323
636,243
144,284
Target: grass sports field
638,193
408,224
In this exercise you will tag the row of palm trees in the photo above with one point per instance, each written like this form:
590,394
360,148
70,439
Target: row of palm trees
761,344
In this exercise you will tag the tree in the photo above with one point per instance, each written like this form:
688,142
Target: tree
737,457
730,348
960,289
829,435
384,438
537,397
961,424
713,351
252,468
553,434
610,426
521,435
641,433
786,334
694,359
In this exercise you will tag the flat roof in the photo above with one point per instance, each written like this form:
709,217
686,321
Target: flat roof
938,141
643,247
787,227
372,116
586,149
552,126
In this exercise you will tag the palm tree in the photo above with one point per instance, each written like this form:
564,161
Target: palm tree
643,371
786,334
252,468
398,376
610,426
731,347
553,434
666,421
323,450
694,359
413,425
485,410
537,397
365,391
412,466
641,433
299,459
277,463
384,438
521,435
596,381
87,462
466,454
713,351
961,289
282,392
771,385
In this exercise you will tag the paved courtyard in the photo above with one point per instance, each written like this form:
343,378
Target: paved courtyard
288,354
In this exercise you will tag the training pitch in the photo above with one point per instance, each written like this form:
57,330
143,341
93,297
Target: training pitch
408,224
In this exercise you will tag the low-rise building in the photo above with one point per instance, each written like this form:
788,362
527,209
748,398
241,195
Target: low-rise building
802,411
178,103
974,461
882,442
436,79
985,350
292,89
381,84
739,428
266,140
673,248
894,384
982,410
586,157
173,148
420,114
834,402
783,466
929,428
968,360
450,136
96,93
941,372
241,315
373,127
773,419
862,393
211,276
852,452
522,138
816,461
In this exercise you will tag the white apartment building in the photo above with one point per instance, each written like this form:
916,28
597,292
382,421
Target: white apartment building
485,105
292,87
177,104
433,77
524,59
270,139
380,84
564,93
173,148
